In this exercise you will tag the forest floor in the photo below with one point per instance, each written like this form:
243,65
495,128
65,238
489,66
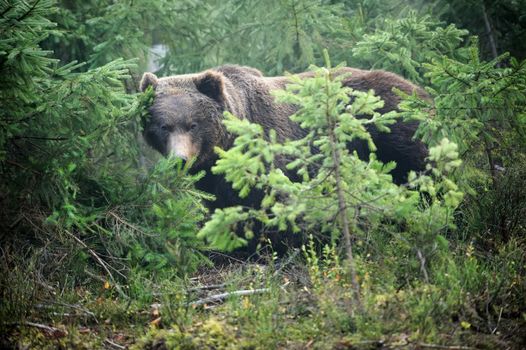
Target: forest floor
251,306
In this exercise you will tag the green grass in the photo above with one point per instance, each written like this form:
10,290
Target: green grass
473,301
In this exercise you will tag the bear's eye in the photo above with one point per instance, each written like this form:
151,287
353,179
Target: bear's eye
193,126
166,127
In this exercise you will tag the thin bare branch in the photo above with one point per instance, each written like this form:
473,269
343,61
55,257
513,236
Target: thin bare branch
210,287
449,347
422,259
221,297
113,344
489,32
99,260
48,329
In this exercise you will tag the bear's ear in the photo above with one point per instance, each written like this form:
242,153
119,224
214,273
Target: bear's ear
148,79
211,84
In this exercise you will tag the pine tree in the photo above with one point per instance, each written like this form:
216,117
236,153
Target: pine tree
339,197
74,195
499,24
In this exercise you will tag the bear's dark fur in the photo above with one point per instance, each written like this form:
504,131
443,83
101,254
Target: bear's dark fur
186,119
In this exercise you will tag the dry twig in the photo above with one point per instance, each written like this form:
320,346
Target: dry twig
221,297
99,260
447,347
209,287
115,345
55,332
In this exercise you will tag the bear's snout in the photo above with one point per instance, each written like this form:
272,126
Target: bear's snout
180,144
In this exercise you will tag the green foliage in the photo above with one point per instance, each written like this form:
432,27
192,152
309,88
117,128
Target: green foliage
213,334
19,287
492,100
256,154
500,23
498,215
475,103
98,32
247,33
402,45
173,209
312,204
76,196
489,129
95,231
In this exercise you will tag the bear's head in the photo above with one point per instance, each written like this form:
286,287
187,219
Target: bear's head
186,115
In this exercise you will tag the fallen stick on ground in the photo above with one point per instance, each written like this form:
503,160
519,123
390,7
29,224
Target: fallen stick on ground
210,287
221,297
56,332
448,347
115,345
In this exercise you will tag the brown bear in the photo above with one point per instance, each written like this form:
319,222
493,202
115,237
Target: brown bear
187,113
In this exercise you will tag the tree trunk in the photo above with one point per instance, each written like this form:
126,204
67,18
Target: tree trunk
489,32
342,207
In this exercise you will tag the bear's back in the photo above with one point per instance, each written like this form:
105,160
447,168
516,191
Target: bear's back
398,145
